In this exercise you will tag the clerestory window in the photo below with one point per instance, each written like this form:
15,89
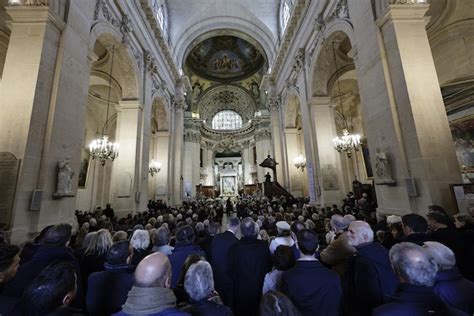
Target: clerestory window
227,120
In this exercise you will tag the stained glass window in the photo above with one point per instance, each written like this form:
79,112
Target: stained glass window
227,120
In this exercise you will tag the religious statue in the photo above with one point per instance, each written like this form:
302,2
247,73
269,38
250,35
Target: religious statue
382,168
65,174
254,88
197,89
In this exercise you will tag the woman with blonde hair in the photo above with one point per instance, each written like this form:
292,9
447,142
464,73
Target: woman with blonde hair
95,254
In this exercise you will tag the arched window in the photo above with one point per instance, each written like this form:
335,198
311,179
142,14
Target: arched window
227,120
285,14
160,14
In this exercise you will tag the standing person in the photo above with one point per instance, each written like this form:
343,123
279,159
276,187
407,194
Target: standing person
108,211
313,288
249,261
416,270
369,279
219,259
107,290
151,294
414,228
184,247
9,263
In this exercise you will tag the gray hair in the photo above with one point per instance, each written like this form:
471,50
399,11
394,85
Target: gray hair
443,256
338,223
161,236
199,281
414,264
140,239
248,227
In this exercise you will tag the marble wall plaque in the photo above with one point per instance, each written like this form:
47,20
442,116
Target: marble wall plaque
9,167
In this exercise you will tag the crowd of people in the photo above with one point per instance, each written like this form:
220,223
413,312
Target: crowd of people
250,256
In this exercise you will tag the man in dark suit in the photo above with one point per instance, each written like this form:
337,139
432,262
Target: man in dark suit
54,248
249,261
369,280
416,270
107,290
219,253
414,228
313,288
9,259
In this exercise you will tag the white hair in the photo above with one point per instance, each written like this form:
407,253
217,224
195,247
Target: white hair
363,230
393,219
199,281
443,255
140,239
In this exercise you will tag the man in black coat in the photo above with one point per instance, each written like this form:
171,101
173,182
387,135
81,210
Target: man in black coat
107,290
54,249
249,261
313,288
9,259
414,228
219,253
416,270
369,280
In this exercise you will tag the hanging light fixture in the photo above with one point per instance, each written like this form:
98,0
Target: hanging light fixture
102,148
154,167
300,162
347,142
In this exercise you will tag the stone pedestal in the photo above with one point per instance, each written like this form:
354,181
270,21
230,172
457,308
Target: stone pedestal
402,106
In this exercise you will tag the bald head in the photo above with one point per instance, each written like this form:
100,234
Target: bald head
359,232
153,271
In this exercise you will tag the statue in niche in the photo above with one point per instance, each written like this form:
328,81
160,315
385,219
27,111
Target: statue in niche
36,2
254,88
197,89
65,174
383,169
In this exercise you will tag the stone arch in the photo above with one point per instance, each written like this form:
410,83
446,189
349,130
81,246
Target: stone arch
126,71
160,116
323,69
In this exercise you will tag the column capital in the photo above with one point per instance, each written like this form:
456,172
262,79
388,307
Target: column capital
400,10
129,105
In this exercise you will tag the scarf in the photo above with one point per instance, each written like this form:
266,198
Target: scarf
148,300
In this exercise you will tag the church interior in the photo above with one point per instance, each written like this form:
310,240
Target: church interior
243,108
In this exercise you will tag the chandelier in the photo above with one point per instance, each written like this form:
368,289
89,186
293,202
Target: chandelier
347,142
154,167
102,148
300,162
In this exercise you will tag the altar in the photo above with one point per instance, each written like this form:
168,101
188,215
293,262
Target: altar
229,175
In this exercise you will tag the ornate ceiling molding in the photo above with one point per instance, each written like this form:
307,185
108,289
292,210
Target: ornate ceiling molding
226,97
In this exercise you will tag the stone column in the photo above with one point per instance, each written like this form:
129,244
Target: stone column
161,155
264,148
276,138
177,152
247,162
329,160
293,149
42,119
192,146
403,107
126,169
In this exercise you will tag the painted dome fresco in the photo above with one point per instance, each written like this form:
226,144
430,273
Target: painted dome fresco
225,58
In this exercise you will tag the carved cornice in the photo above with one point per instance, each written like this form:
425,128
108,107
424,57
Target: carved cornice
263,134
273,104
192,136
160,39
179,105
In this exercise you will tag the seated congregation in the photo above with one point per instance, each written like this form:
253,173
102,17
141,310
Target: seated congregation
274,257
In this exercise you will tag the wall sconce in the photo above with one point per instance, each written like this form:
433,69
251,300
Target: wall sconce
154,167
300,162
